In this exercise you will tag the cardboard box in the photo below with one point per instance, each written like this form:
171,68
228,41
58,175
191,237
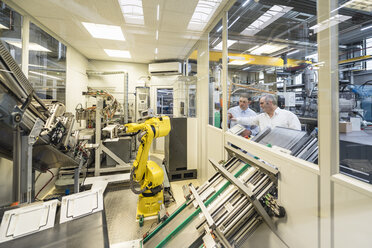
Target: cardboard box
345,127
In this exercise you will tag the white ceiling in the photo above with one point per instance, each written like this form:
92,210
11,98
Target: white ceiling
64,18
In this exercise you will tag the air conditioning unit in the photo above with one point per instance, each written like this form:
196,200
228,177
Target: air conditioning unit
168,68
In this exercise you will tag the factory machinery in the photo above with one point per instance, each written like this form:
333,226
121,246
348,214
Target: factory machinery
226,209
33,133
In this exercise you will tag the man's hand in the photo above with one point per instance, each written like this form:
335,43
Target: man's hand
230,117
246,133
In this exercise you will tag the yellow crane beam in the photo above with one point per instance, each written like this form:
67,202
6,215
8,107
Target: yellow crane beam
252,59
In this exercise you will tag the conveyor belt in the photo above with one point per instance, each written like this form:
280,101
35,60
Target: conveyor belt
232,211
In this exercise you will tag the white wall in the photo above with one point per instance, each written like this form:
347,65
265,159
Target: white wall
352,217
215,148
76,79
192,141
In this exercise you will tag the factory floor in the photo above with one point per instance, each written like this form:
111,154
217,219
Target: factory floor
121,205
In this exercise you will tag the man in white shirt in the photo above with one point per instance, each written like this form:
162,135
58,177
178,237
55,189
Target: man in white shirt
243,110
272,116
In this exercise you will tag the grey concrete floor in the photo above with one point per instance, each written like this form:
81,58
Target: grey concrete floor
121,206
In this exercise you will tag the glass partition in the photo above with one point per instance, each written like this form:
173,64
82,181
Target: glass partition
47,65
164,101
185,96
11,31
354,19
272,70
215,75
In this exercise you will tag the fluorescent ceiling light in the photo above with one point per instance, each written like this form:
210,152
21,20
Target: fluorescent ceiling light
273,14
3,27
293,52
102,31
334,20
238,62
158,13
214,42
234,22
246,68
245,3
44,75
118,53
31,46
267,49
132,11
364,5
157,34
365,28
203,12
156,50
229,43
219,29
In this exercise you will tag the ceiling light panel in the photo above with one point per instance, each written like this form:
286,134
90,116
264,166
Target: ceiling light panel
233,22
203,12
229,43
245,3
365,28
267,49
273,14
334,20
364,5
132,11
102,31
118,53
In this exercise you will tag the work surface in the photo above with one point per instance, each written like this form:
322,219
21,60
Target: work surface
89,231
363,137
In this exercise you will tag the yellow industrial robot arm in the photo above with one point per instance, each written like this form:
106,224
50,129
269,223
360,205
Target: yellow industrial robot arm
141,171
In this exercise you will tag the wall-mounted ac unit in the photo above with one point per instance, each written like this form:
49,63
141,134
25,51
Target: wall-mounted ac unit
168,68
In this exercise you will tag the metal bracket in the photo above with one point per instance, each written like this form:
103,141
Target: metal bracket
248,159
245,190
35,132
204,210
209,218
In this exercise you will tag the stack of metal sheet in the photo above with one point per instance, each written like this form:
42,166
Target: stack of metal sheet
301,144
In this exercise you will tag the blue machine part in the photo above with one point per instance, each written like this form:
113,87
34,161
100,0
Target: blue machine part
365,94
